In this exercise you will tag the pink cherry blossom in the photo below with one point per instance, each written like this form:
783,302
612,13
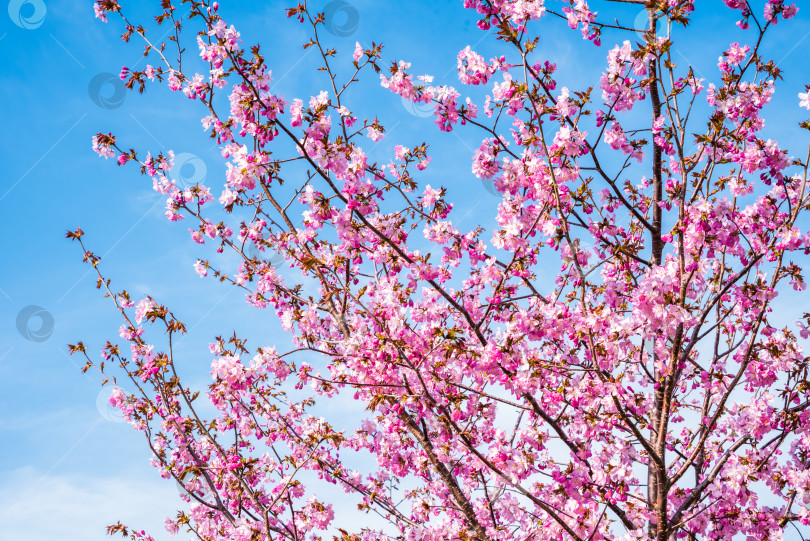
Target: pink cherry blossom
598,349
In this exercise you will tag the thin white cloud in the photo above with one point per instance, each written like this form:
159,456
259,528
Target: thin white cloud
79,508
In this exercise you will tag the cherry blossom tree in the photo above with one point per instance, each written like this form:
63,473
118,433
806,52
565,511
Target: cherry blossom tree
645,392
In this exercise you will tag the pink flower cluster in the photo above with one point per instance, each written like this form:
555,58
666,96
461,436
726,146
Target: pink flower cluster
598,358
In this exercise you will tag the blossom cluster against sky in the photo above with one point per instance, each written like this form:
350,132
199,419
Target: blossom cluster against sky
65,457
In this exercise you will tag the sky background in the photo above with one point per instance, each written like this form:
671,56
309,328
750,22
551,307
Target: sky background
68,465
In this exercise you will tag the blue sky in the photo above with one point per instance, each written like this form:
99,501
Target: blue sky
65,459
